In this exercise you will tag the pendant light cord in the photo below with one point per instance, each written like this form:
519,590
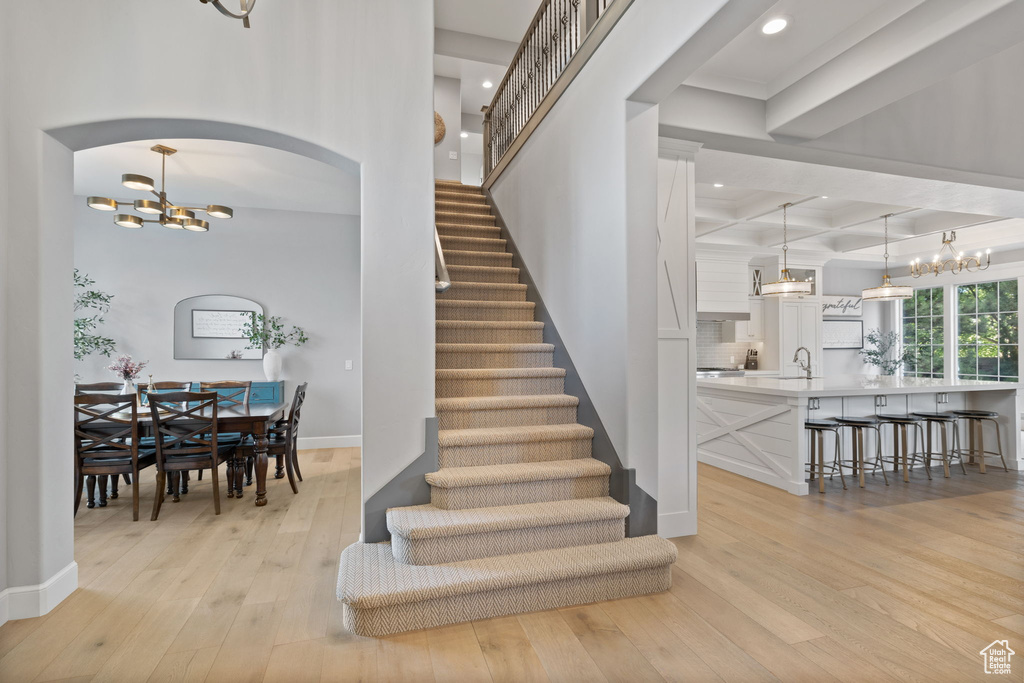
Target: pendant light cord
885,218
785,239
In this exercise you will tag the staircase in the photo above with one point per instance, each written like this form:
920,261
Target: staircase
519,517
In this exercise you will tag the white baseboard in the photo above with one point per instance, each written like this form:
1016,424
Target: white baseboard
25,602
673,524
353,441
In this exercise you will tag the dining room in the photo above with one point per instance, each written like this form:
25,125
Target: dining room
211,266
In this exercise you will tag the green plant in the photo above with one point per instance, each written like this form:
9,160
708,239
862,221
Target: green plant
888,354
88,299
268,332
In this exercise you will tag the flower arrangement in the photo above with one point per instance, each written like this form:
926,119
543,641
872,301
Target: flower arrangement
125,368
234,355
264,332
887,353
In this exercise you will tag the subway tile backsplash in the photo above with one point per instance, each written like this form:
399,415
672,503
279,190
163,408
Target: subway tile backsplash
712,352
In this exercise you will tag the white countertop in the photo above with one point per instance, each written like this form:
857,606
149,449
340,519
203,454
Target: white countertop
850,385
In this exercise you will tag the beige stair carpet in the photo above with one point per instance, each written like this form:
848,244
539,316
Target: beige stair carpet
519,518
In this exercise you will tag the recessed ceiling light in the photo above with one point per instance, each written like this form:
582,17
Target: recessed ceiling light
824,196
719,185
488,84
773,26
464,134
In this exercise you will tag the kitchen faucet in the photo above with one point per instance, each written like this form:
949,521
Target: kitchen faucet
796,359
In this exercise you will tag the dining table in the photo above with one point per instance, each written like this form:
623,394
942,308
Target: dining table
255,420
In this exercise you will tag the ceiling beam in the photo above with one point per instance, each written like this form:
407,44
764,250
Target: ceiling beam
920,48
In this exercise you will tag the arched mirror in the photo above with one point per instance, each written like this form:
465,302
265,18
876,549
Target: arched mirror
210,327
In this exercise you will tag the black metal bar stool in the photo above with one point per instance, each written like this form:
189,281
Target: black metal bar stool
817,429
857,426
901,454
942,420
974,421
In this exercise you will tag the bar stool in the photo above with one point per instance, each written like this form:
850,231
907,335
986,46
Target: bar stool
975,421
942,420
858,425
900,440
817,446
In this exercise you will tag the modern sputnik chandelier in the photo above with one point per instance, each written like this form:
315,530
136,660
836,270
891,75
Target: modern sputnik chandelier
955,263
887,291
246,9
786,285
167,213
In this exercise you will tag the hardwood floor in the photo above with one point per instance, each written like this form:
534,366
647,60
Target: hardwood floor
898,583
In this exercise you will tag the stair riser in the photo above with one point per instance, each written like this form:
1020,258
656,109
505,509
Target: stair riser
513,453
462,207
382,621
489,259
490,245
457,360
543,491
519,386
507,417
425,551
492,313
508,276
468,230
471,335
482,294
445,218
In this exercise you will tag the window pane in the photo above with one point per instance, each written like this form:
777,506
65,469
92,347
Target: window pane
937,294
967,300
1008,329
968,361
923,301
1008,362
938,334
937,361
988,329
1008,295
988,360
968,329
988,300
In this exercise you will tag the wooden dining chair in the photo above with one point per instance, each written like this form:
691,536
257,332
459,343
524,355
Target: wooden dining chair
283,443
230,393
143,389
107,444
185,424
103,388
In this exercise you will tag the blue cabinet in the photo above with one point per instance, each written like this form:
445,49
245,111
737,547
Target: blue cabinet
267,392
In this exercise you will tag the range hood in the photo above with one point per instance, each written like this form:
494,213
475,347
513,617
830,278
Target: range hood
721,316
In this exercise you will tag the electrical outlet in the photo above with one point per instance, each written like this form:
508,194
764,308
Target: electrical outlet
348,365
453,155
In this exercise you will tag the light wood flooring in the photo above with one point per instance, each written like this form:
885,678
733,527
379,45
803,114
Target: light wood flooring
898,583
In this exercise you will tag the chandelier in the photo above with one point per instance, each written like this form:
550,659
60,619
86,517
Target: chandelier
955,263
168,214
786,285
887,291
246,6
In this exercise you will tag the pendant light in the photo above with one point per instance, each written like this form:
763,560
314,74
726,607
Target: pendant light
786,285
887,291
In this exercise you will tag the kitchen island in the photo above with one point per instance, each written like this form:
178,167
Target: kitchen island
754,426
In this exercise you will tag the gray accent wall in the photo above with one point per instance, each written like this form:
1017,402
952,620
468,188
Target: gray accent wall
409,487
643,508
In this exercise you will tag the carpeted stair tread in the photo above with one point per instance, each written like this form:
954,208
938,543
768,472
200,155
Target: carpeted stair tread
498,373
517,473
459,257
504,274
491,324
503,435
449,196
463,218
497,348
442,206
506,402
489,245
427,521
467,309
371,578
485,291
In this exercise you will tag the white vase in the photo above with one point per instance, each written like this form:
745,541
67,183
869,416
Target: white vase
272,365
128,387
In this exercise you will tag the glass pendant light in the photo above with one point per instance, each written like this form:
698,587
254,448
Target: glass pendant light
786,285
887,291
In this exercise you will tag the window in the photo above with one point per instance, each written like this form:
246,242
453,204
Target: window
922,332
986,344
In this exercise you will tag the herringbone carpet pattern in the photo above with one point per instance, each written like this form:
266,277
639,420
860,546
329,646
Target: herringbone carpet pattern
520,517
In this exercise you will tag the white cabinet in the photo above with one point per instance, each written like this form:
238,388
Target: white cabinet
746,330
721,285
799,325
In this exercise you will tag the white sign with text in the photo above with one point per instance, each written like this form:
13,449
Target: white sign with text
842,306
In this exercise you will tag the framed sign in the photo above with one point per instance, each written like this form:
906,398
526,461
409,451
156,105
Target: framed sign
842,306
842,334
207,324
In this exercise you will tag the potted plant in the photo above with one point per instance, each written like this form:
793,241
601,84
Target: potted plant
128,370
887,352
88,299
269,333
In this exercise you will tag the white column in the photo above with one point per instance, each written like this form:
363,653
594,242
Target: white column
677,331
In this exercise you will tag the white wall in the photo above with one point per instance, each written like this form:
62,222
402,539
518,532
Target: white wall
5,35
844,281
448,103
312,281
339,79
586,228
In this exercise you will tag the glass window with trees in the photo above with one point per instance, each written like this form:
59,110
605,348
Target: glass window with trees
923,333
987,331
